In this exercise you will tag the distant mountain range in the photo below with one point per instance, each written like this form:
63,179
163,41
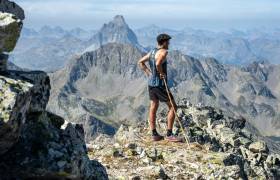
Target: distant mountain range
56,32
229,47
50,48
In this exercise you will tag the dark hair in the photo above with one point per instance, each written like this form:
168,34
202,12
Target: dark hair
163,38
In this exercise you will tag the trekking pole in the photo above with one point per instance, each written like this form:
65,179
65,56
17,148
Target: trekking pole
177,117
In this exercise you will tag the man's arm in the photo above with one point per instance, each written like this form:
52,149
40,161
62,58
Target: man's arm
159,60
143,66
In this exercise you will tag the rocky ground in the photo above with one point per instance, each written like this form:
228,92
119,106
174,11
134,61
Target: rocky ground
220,148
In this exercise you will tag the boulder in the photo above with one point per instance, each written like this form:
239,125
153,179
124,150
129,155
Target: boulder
10,28
152,172
258,147
40,90
15,98
13,8
227,135
21,93
273,159
125,134
44,149
11,16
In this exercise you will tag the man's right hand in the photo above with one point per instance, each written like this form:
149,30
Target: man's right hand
162,76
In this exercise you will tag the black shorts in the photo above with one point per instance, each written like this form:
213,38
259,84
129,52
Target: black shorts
157,93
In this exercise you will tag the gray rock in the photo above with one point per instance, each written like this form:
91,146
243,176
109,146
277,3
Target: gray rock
232,159
41,88
258,146
116,152
10,28
12,8
3,62
273,159
61,163
131,146
154,154
41,155
243,141
14,104
11,16
152,171
227,135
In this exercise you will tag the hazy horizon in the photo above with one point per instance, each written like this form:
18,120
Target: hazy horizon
135,28
216,15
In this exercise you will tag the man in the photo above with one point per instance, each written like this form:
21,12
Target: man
157,90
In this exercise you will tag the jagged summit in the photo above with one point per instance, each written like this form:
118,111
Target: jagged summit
119,20
115,31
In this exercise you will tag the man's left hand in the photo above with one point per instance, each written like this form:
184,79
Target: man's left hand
162,76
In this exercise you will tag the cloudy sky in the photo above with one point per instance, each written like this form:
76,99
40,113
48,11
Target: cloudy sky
206,14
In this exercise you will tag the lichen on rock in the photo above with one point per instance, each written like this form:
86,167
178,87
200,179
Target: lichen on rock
11,16
15,98
10,28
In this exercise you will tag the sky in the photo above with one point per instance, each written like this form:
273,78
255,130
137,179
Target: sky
203,14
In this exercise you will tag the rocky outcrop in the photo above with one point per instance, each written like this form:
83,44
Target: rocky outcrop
21,93
33,142
10,28
12,8
15,102
33,145
221,147
46,151
11,16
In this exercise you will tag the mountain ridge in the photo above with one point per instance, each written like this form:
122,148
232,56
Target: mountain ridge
203,81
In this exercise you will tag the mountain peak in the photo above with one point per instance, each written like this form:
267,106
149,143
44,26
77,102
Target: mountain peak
116,31
119,20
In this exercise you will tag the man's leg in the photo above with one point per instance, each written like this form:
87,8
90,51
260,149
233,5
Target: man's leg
153,111
170,122
171,115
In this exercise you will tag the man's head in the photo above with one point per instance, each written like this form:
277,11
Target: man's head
163,40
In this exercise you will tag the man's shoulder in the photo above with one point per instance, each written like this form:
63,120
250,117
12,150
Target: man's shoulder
163,51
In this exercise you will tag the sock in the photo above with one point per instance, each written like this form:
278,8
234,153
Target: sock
169,132
154,132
